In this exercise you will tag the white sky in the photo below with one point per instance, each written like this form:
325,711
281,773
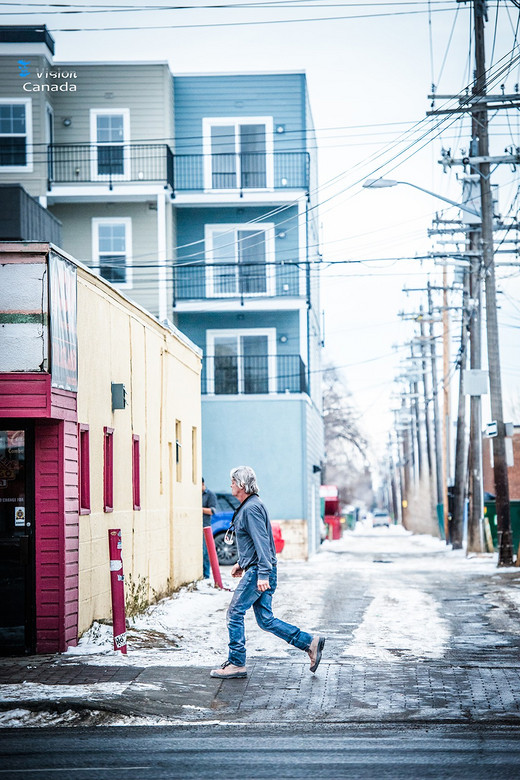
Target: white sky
368,80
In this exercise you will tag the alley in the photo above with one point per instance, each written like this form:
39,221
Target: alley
415,632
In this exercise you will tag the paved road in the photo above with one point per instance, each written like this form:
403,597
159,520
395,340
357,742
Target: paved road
442,751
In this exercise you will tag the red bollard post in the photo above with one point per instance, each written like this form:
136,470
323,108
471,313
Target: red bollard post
212,552
117,585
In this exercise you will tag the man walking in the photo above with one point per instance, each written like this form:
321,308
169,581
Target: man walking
209,507
257,567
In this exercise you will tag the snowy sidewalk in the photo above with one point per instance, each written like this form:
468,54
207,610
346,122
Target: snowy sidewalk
414,631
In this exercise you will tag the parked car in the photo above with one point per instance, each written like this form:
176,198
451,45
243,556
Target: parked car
380,517
227,553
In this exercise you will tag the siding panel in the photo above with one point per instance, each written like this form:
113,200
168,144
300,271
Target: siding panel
280,95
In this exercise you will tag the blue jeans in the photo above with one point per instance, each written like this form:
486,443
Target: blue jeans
247,595
205,559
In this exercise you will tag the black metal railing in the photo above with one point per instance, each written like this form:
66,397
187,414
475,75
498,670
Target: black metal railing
85,163
210,281
253,374
281,170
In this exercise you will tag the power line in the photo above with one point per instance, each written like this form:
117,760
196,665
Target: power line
256,23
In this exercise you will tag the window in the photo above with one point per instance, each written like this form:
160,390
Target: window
136,472
108,469
15,135
194,455
110,134
112,243
238,153
241,362
178,450
84,469
240,260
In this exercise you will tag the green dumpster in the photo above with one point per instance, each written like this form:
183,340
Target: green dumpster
490,510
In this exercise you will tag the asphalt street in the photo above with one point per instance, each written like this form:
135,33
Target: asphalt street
368,751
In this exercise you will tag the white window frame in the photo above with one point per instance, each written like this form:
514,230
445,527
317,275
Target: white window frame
127,222
211,335
49,137
268,228
28,135
209,122
94,175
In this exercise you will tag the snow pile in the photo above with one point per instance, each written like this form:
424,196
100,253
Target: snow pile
400,625
44,692
189,628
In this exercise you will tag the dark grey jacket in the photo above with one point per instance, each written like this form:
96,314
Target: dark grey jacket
254,537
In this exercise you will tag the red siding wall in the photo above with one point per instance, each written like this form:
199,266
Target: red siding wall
25,395
49,546
56,502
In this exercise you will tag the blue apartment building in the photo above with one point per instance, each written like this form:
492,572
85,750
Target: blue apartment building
195,196
246,287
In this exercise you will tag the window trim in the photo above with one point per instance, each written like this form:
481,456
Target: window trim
96,265
268,229
236,121
136,472
211,335
84,469
178,450
108,469
94,175
28,135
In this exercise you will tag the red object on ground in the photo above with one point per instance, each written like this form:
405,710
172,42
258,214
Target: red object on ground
334,524
212,552
279,542
117,584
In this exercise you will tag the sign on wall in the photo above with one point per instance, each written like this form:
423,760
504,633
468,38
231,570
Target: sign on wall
63,323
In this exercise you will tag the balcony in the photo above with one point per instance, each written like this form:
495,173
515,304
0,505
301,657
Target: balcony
241,172
183,173
110,164
253,375
235,281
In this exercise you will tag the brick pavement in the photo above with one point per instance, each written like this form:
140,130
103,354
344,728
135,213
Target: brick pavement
284,691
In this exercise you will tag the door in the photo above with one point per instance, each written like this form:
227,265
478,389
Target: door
17,597
238,156
241,364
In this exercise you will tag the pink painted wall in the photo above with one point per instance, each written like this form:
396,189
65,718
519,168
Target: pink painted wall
56,502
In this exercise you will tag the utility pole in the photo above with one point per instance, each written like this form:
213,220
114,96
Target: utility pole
422,344
438,447
457,521
475,486
505,546
445,399
414,403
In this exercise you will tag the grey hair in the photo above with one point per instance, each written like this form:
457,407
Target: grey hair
245,478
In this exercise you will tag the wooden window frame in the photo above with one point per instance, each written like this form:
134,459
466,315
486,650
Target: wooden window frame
108,469
136,472
84,468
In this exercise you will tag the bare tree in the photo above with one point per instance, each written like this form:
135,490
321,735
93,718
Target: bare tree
345,445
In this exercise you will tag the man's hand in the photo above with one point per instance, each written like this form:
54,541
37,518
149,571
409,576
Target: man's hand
262,584
236,571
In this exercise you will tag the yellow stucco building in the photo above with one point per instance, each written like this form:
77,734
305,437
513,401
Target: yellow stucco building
100,415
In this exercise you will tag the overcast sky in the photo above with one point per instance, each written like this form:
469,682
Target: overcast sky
370,69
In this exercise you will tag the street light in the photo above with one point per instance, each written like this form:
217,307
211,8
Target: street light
380,183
